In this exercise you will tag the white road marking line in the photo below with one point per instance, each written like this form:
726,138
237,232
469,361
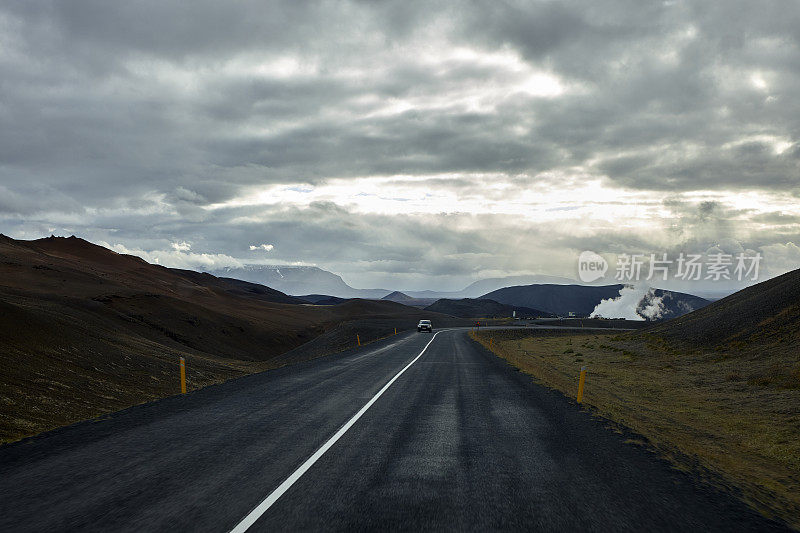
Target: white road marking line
262,507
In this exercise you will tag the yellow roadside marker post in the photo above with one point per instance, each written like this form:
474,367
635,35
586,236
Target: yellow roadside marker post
358,339
183,375
581,382
395,331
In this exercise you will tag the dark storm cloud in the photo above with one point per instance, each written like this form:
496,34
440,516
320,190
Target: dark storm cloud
99,110
125,119
650,86
92,29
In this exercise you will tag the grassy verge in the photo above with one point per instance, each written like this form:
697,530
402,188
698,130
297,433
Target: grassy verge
702,411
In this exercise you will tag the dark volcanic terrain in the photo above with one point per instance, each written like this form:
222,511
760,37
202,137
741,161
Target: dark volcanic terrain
86,331
767,311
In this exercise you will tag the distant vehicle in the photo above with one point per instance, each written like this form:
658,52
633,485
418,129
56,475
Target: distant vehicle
424,325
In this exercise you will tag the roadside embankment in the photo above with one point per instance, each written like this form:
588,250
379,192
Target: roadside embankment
700,409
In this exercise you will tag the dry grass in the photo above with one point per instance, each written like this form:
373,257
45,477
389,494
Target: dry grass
731,415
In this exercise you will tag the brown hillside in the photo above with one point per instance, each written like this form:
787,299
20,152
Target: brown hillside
85,330
766,312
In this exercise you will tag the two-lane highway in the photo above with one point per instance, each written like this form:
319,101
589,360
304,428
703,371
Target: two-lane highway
385,437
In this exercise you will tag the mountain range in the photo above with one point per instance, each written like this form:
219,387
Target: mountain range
405,299
546,294
299,280
483,308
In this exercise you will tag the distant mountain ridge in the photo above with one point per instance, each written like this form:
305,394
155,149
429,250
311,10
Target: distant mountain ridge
483,286
547,294
322,299
483,308
297,280
397,296
405,299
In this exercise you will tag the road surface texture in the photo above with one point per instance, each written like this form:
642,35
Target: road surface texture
459,441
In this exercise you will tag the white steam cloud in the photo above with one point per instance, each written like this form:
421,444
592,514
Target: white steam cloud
635,302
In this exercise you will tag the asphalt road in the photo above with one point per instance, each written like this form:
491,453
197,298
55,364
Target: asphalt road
459,441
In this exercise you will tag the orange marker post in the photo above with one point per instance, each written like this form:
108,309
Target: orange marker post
183,376
358,339
581,382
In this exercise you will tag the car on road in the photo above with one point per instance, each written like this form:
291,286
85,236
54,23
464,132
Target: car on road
424,325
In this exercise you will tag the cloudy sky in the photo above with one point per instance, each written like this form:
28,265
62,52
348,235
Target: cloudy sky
403,144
